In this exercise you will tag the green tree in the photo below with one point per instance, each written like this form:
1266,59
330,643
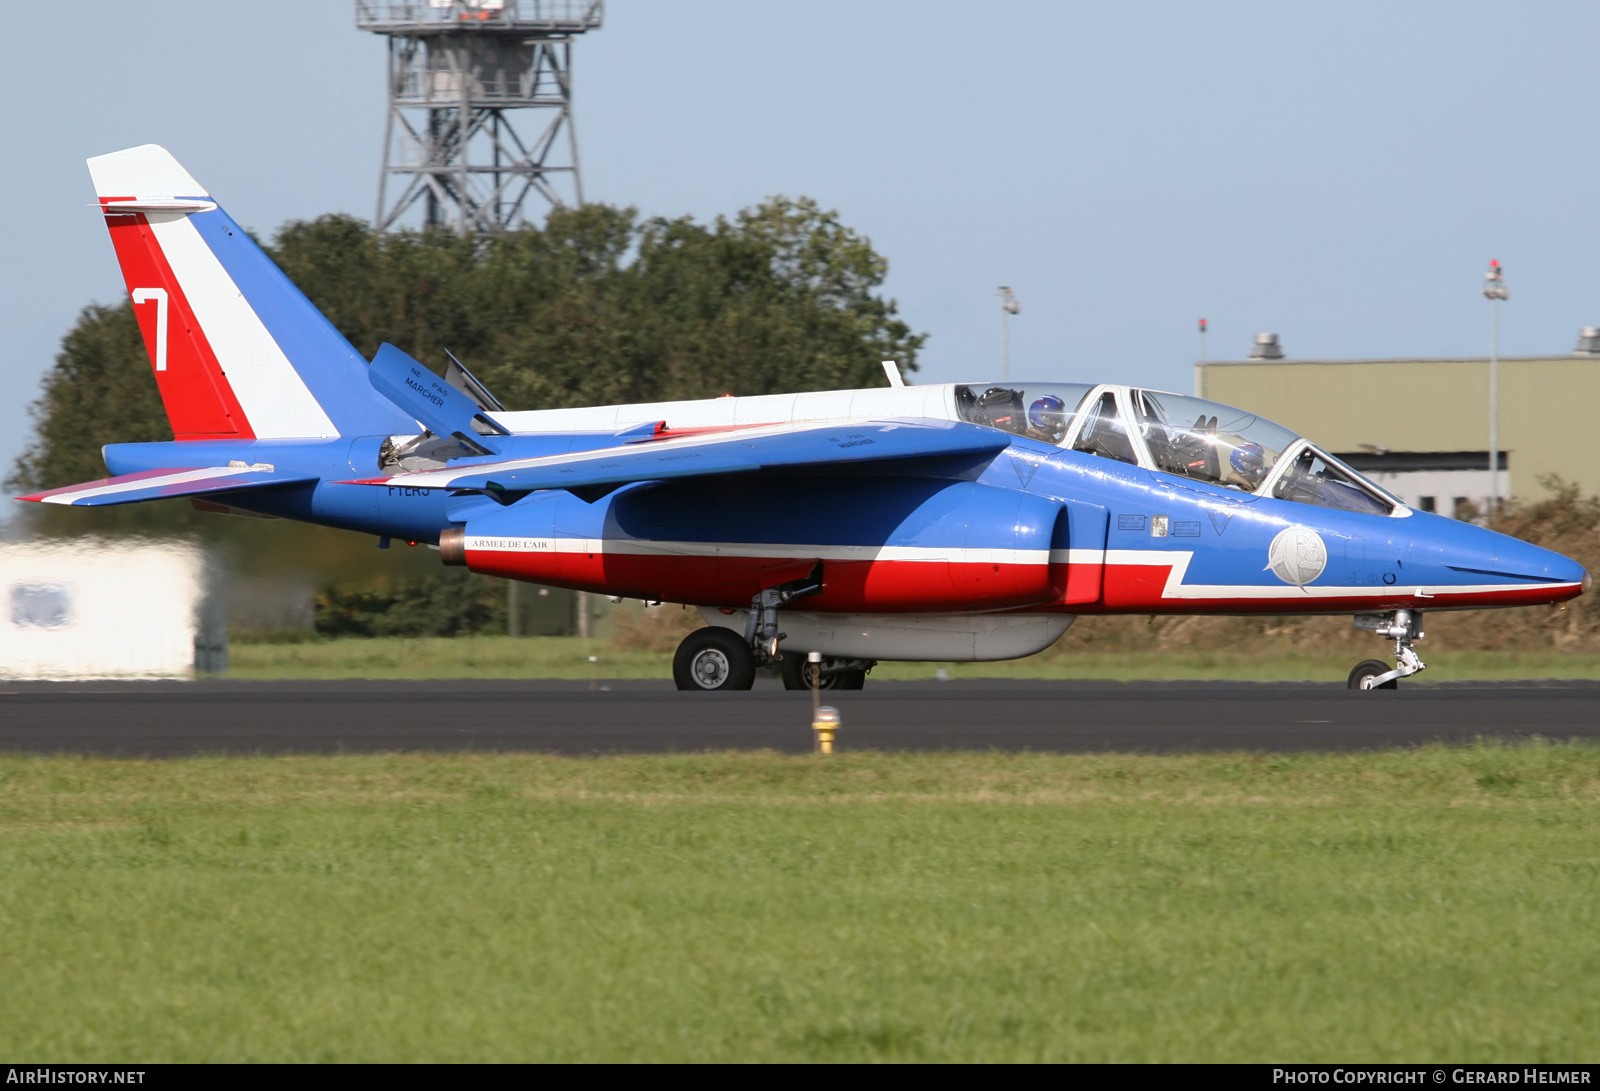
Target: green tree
453,603
598,307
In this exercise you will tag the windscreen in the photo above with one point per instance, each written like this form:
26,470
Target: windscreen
1316,478
1041,411
1216,443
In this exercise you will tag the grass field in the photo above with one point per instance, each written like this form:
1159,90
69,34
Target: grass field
1435,904
565,657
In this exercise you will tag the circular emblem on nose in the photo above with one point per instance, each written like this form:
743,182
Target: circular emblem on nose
1297,555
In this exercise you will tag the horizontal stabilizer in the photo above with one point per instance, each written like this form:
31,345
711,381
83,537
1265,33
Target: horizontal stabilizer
443,410
165,484
762,448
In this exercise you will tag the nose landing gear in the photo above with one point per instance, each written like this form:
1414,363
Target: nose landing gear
1401,626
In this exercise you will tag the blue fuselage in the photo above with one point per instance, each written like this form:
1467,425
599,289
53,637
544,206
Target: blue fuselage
1160,543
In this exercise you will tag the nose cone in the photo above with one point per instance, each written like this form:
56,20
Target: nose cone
1526,559
1489,567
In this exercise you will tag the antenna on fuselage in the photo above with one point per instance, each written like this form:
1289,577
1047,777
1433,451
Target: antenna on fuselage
892,369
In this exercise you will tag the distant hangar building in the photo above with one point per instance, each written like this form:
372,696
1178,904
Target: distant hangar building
1420,427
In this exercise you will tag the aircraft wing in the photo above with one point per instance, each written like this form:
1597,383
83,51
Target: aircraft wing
163,484
762,448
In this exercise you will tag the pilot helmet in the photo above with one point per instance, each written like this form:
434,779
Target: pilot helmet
1048,415
1249,460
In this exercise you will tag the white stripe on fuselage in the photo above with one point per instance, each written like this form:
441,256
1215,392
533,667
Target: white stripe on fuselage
1178,568
836,553
1176,562
275,400
936,401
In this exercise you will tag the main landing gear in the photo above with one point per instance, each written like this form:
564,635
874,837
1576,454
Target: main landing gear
1401,626
714,658
835,673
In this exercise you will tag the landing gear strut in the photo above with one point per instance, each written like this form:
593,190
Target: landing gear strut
1401,626
761,631
715,658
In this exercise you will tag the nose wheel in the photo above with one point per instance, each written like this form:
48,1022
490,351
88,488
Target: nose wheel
1401,626
1369,669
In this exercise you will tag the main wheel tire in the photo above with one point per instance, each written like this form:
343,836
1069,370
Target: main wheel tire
1361,677
713,659
797,674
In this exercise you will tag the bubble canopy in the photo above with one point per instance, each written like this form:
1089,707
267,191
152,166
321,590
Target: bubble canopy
1195,438
1222,445
1042,411
1180,435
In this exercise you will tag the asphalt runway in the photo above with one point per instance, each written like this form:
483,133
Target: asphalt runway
169,719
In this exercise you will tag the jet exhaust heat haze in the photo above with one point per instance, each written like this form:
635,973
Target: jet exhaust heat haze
943,522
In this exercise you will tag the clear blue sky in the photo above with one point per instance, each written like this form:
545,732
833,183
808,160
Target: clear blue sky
1338,174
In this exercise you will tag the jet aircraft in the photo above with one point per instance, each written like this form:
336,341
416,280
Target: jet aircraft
954,521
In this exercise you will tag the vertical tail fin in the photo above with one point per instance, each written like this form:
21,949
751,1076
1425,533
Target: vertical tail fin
238,351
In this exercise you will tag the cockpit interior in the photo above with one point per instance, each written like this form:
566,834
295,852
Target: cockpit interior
1179,435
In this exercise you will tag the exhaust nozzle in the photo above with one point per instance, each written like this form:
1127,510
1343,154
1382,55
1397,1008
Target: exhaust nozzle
453,546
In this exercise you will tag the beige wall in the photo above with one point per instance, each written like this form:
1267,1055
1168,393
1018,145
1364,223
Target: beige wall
1548,408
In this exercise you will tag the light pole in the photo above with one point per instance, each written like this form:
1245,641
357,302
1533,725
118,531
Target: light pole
1496,292
1008,307
1204,329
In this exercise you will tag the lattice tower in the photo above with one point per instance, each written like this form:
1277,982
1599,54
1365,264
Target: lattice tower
480,108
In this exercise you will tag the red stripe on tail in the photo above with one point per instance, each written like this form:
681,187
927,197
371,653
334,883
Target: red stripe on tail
199,401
